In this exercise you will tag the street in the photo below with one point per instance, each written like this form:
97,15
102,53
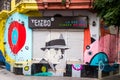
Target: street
6,75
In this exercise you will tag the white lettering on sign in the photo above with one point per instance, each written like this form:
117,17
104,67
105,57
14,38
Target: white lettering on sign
41,23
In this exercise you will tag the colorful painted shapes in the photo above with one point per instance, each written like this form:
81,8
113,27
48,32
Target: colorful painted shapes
99,57
101,60
77,67
2,59
16,36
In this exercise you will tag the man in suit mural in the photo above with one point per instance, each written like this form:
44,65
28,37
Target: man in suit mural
55,47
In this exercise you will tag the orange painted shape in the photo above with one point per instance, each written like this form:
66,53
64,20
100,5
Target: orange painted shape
87,38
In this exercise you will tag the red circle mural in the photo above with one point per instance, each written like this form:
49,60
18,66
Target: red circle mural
16,36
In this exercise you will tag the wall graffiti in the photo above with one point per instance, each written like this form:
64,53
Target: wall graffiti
55,50
18,38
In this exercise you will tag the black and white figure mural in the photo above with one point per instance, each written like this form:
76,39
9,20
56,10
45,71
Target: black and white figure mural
55,52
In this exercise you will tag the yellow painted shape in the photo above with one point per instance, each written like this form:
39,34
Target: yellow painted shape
2,47
13,4
26,68
43,69
28,7
2,27
9,60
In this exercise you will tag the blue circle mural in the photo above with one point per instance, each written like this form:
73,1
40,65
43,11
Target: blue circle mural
14,36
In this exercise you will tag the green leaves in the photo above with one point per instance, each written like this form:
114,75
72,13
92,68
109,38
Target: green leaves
63,1
109,10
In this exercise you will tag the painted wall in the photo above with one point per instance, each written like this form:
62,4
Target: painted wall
97,45
2,49
18,38
74,68
104,49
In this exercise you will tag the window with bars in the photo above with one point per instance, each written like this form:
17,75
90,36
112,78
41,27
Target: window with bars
5,5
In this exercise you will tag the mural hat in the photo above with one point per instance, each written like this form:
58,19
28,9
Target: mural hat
58,43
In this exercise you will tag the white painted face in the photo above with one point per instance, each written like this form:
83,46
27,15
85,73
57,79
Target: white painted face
54,55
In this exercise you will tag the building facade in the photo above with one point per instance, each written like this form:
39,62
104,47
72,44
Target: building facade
57,38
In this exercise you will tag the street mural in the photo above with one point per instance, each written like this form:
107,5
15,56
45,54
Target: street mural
55,50
95,51
54,55
64,46
103,49
18,38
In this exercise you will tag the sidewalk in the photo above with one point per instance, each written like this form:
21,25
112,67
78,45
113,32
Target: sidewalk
6,75
114,77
